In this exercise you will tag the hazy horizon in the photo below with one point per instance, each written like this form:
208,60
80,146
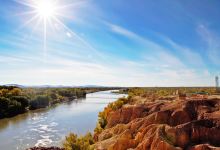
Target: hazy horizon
92,85
114,43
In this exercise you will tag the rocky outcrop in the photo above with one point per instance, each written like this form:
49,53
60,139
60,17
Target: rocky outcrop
203,147
164,124
125,115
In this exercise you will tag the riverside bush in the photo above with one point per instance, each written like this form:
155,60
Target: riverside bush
73,142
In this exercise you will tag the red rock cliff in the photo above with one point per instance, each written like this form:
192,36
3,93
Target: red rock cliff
165,124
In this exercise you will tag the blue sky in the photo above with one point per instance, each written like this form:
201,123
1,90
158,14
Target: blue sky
114,43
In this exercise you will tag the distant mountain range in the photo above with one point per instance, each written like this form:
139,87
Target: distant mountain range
17,85
53,86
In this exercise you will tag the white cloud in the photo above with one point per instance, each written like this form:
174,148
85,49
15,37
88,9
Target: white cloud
193,58
125,32
69,34
12,59
212,43
162,67
150,45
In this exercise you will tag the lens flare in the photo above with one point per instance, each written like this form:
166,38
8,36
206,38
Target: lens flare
48,14
46,9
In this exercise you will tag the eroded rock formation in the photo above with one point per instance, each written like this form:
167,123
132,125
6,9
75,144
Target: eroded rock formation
164,124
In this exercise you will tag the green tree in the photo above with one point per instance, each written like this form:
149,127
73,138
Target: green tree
4,104
22,99
40,101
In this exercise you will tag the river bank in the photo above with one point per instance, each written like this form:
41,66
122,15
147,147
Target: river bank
15,100
49,126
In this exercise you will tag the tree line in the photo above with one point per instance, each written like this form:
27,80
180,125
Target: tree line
15,100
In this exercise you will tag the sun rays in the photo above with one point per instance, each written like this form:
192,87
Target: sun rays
45,15
46,9
48,18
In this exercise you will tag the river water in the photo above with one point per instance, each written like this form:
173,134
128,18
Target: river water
47,127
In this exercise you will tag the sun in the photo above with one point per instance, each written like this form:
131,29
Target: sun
46,8
44,12
47,18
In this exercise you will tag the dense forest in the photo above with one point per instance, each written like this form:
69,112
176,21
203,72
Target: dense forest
15,100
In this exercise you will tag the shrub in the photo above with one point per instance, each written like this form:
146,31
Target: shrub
22,99
14,108
118,104
16,91
9,108
102,118
40,101
4,104
73,142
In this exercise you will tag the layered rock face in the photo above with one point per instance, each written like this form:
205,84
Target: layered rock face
165,124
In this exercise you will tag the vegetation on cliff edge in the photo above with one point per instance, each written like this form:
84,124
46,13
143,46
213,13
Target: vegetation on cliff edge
73,142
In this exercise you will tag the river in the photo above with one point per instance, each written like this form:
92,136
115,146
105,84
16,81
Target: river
47,127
